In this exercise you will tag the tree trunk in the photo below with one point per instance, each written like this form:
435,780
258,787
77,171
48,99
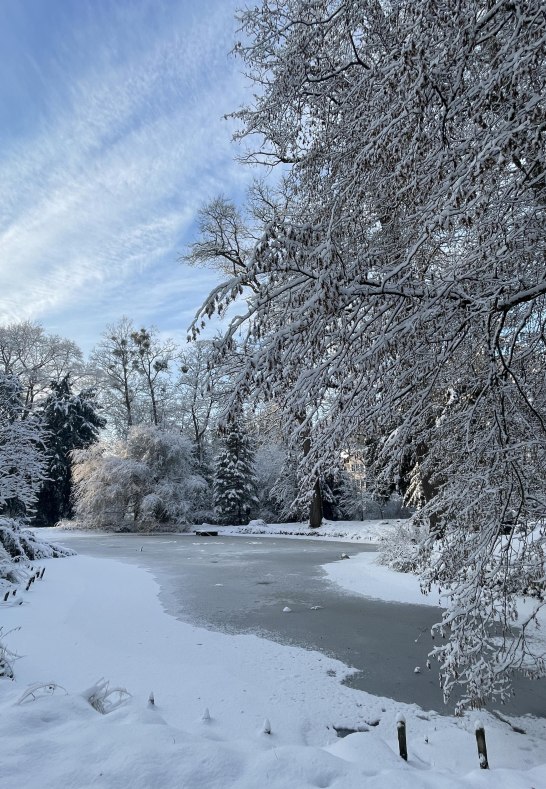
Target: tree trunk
127,396
430,490
315,510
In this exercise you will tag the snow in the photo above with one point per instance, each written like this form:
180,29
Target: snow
358,531
365,576
92,621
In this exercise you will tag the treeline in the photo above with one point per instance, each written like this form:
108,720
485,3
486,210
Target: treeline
133,438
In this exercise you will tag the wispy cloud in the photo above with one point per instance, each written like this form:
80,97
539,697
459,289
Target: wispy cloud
98,200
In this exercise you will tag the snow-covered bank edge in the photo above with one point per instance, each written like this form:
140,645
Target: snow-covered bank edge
365,576
340,531
96,618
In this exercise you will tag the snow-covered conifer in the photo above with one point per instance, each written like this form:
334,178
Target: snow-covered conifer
70,421
234,478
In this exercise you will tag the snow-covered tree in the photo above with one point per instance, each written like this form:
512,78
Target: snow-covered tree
269,464
145,482
134,377
404,287
117,379
200,390
151,358
37,358
224,238
224,242
22,464
234,478
69,421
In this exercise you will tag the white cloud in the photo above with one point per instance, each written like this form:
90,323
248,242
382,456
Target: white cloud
98,201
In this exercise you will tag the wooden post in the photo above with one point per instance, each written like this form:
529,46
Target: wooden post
482,748
401,730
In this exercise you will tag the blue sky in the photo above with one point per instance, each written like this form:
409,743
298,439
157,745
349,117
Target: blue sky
111,137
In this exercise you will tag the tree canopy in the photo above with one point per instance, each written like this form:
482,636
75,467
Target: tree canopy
403,290
69,421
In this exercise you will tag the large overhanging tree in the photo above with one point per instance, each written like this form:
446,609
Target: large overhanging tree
411,279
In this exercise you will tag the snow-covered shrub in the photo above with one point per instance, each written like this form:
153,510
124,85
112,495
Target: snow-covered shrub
105,699
38,690
19,546
7,657
401,551
143,483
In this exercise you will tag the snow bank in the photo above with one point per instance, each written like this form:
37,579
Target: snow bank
363,575
358,531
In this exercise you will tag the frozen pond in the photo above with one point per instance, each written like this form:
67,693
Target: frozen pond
242,584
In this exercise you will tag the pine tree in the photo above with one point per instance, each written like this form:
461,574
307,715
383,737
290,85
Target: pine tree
234,479
70,422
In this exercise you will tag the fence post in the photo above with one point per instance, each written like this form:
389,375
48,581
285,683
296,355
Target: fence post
401,730
482,748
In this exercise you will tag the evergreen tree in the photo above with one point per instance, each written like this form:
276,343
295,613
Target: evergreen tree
234,480
70,422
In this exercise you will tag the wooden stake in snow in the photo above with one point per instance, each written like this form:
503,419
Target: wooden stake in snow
401,730
482,747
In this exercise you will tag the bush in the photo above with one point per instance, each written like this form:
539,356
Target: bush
401,551
18,546
144,483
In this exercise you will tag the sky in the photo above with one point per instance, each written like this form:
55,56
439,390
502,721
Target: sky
112,135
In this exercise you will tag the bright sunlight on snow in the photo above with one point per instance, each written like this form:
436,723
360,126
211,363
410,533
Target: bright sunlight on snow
214,695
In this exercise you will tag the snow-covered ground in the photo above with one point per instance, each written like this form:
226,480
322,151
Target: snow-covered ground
358,531
93,618
365,576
